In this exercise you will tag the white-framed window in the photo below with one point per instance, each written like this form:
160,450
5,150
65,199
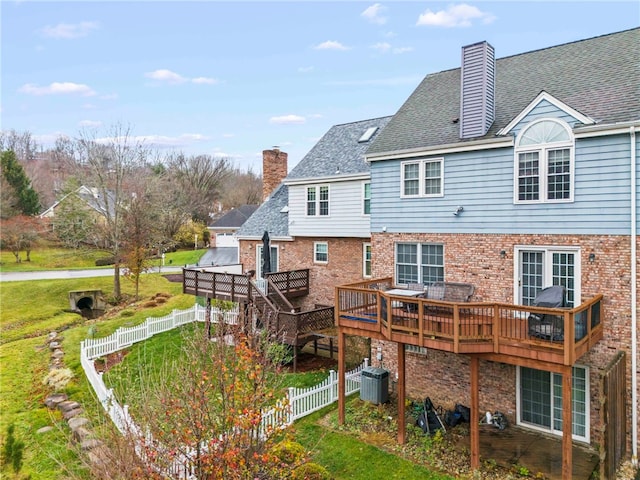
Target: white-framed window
539,267
419,263
539,401
366,260
366,198
320,252
422,178
274,260
318,201
544,163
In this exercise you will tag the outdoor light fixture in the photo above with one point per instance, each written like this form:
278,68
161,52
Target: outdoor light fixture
458,210
592,257
503,254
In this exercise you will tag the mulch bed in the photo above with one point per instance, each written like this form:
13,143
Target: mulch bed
174,277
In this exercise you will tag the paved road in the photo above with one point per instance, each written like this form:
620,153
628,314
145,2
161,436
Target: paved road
63,274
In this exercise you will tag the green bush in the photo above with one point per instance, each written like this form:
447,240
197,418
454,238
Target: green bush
288,452
101,262
310,471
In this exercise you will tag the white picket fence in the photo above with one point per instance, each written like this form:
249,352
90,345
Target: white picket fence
297,403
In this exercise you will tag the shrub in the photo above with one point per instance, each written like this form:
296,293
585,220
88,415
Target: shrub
288,452
101,262
310,471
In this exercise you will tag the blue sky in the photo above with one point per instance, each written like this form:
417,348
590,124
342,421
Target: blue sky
235,78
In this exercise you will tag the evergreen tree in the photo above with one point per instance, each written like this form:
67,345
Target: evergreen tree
28,202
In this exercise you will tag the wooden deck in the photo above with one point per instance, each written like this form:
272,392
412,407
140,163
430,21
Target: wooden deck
501,332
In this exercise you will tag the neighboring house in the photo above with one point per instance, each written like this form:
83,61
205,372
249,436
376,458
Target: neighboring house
318,216
91,197
224,228
513,175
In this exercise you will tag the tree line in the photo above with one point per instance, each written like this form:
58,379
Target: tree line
112,192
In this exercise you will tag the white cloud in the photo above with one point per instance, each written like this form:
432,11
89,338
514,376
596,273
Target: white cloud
330,45
288,120
48,139
305,69
164,75
400,50
373,14
205,80
109,96
57,88
160,141
89,123
382,47
460,15
172,78
69,30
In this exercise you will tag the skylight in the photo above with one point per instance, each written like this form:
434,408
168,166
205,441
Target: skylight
366,136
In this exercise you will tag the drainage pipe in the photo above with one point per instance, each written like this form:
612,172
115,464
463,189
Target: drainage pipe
634,300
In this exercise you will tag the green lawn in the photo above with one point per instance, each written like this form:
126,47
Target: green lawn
29,311
45,258
349,458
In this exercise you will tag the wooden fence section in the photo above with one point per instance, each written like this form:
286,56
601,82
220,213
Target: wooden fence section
614,416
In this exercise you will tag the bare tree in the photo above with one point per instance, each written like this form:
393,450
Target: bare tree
200,178
112,165
241,188
141,230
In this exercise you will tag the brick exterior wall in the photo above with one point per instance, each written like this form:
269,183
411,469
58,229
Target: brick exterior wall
274,170
345,264
476,259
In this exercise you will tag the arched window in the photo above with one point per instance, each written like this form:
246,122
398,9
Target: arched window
544,163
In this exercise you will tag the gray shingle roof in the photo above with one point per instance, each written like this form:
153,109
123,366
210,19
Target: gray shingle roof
599,77
235,218
339,150
269,216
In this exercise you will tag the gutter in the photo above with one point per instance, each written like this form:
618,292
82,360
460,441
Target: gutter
634,300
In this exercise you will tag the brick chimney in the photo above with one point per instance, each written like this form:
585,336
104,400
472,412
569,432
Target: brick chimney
274,170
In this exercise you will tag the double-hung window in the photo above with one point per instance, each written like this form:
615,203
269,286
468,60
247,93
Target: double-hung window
321,252
419,263
366,260
366,198
318,201
422,178
544,163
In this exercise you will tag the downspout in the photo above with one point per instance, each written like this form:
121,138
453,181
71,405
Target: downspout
634,300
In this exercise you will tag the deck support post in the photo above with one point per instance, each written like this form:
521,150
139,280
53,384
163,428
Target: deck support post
475,412
567,423
401,395
341,377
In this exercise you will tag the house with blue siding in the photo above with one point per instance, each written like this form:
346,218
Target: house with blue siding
513,175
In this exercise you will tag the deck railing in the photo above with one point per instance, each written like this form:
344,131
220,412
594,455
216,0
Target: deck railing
236,287
470,327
